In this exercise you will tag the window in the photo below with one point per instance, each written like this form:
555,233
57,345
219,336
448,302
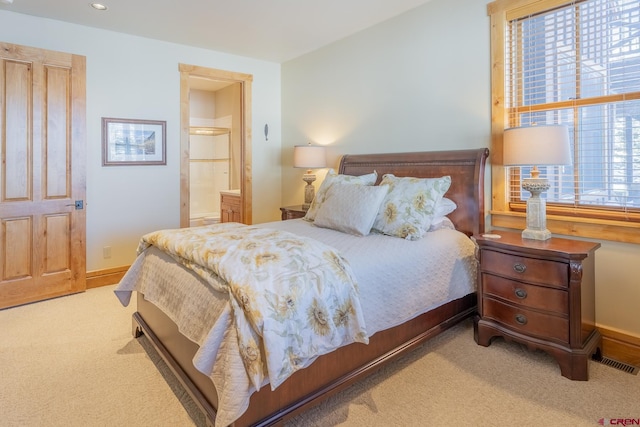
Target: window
576,64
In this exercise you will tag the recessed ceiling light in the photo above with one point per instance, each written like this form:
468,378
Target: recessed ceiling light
98,6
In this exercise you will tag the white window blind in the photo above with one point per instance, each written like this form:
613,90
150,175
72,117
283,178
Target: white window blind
579,65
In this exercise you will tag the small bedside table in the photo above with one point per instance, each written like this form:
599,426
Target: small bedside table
293,212
541,294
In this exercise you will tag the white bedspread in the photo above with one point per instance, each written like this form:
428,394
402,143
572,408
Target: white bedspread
398,280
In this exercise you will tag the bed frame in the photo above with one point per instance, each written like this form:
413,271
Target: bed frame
335,371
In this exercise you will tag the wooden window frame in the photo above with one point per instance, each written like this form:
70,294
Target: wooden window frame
572,221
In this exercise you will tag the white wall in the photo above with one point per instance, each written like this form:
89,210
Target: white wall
420,81
403,85
134,77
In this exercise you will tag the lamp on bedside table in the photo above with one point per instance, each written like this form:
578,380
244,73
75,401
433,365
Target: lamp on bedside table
535,146
309,157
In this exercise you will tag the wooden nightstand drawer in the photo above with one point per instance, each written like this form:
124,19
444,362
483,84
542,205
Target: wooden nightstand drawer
531,296
528,322
532,270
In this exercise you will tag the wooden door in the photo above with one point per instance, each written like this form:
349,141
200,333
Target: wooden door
42,174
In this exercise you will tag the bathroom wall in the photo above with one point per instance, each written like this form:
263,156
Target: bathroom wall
228,114
209,158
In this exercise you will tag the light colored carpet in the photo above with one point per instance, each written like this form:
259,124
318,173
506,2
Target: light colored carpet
72,361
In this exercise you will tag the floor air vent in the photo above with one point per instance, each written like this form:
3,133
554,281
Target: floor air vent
630,369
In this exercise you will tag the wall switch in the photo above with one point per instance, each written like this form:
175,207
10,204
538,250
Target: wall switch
106,252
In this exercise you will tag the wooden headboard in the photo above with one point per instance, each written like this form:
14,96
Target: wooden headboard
465,167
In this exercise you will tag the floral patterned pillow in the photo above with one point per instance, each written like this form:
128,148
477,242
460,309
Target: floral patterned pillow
331,178
409,207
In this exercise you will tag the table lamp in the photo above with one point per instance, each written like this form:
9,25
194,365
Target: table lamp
309,157
536,146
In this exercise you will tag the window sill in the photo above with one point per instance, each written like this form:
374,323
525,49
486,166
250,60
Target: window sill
602,229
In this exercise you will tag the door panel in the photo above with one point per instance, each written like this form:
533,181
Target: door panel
17,256
57,245
17,155
57,137
42,174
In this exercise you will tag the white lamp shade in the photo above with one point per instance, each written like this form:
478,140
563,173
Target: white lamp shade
309,157
537,145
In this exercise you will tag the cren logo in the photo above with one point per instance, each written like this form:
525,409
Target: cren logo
619,422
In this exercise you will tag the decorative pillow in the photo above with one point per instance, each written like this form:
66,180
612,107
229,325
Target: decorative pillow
350,208
332,178
409,207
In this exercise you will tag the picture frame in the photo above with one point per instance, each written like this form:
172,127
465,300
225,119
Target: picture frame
133,142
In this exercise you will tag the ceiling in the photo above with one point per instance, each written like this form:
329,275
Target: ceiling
272,30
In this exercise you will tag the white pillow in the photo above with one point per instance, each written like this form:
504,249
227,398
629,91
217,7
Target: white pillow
444,207
440,219
441,223
350,208
409,207
332,178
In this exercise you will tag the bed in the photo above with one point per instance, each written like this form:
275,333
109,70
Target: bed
334,371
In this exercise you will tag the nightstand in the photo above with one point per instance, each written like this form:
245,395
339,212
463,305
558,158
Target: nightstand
541,294
293,212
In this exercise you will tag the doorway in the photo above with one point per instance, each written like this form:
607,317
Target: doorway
234,89
214,157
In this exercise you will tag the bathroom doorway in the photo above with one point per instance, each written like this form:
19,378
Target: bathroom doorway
215,116
212,170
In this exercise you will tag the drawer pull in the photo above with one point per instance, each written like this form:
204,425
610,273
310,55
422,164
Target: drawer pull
521,319
521,293
519,268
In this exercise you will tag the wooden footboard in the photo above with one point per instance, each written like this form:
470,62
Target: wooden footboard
327,375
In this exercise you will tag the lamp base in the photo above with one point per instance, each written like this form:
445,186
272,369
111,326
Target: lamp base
536,210
309,190
536,234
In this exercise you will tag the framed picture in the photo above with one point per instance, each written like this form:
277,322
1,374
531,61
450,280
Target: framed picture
133,142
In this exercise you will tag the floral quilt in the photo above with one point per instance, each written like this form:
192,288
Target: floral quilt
293,297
